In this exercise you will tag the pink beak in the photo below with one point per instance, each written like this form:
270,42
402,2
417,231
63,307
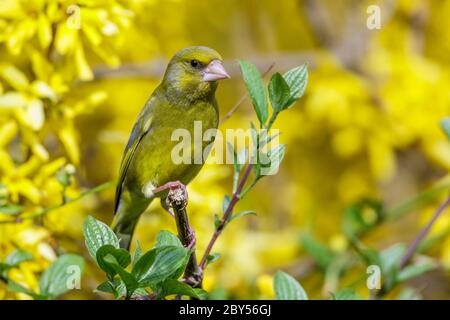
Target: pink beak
215,71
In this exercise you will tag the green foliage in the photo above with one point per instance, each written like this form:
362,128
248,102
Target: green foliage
56,280
345,294
14,259
158,269
213,257
322,255
361,217
11,209
287,288
255,88
279,92
297,79
97,234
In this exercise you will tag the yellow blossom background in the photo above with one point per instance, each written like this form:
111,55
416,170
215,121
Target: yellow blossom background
75,73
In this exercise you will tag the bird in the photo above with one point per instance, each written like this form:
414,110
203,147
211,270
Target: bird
185,95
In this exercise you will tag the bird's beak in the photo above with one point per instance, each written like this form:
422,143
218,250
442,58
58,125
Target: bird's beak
215,71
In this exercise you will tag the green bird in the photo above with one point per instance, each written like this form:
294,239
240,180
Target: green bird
186,94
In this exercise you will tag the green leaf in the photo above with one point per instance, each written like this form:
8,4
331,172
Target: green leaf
56,280
445,125
279,92
17,257
172,286
11,209
413,271
105,287
287,288
121,256
225,203
97,234
346,294
237,159
255,88
355,222
114,261
321,254
63,177
160,264
297,79
213,257
127,278
216,220
275,157
137,253
241,214
409,294
165,238
18,288
390,258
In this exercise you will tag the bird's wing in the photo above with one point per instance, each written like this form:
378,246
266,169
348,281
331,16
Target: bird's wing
140,129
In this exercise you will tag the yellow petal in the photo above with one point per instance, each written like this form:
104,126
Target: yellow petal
8,131
44,31
83,68
13,76
43,90
34,114
12,100
66,39
68,138
382,159
41,67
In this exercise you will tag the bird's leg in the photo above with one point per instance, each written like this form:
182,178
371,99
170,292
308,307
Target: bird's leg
166,206
173,185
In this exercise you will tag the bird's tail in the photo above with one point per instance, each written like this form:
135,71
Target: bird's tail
126,219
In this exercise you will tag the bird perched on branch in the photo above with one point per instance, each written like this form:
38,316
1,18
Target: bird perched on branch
185,95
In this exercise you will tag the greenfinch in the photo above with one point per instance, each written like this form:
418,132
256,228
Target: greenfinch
185,95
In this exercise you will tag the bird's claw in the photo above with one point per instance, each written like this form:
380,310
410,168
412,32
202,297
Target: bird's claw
173,186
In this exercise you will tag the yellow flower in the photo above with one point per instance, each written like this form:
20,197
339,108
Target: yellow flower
264,283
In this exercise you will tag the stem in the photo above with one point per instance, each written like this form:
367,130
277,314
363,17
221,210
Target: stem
193,274
416,243
272,120
423,233
234,199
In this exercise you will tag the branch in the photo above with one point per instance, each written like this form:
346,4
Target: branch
416,242
234,199
423,233
193,274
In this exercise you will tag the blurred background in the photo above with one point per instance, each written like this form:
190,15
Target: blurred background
365,138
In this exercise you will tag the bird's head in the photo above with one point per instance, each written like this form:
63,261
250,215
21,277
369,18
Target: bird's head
193,73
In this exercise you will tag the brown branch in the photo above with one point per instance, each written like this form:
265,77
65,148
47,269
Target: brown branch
423,233
416,243
243,97
193,274
234,199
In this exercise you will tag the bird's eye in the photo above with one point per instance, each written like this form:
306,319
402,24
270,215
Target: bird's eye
195,63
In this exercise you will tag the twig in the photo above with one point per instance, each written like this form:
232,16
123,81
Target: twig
193,274
243,98
416,243
423,233
234,199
